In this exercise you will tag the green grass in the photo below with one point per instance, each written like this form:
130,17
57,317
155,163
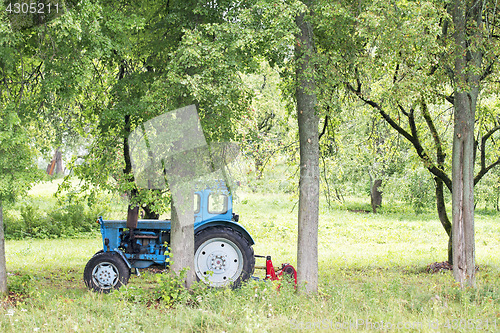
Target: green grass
372,270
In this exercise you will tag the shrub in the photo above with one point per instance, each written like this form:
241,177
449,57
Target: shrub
68,217
21,284
14,227
170,290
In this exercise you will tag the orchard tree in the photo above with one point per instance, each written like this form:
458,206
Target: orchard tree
402,60
281,27
281,33
308,123
138,60
475,54
362,155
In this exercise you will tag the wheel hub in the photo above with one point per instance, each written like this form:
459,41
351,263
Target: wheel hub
105,275
218,262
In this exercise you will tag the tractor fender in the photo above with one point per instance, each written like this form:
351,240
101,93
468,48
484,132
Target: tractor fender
120,253
229,224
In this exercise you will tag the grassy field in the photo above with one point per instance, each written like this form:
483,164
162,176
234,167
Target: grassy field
372,277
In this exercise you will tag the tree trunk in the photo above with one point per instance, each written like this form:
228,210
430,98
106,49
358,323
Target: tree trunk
59,162
182,233
56,165
258,167
466,91
132,209
308,122
376,195
3,267
463,191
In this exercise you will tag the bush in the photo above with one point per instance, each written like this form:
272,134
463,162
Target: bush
68,217
14,227
21,284
35,223
170,290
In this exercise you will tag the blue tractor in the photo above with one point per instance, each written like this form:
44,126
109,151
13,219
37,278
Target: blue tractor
223,248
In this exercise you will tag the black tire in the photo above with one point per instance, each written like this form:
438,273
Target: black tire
223,257
106,271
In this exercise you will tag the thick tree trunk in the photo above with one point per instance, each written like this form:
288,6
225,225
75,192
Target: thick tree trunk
466,90
182,233
463,191
308,122
3,266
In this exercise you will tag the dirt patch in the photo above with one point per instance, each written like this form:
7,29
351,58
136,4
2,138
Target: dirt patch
154,270
12,299
359,211
436,267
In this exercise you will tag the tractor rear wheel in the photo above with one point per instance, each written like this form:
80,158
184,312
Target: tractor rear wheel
106,271
223,257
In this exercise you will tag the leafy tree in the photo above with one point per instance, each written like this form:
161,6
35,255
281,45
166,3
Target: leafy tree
137,60
396,59
308,123
281,33
17,148
474,58
360,155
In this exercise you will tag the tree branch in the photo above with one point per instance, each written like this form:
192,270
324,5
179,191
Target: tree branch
325,124
484,170
413,139
440,155
403,110
488,70
395,78
449,98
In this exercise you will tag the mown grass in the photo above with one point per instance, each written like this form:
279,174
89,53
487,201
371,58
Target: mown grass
372,274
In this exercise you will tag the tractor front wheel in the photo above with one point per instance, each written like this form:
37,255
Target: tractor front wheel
106,271
223,257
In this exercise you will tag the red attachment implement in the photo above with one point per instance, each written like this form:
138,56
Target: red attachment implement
275,274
